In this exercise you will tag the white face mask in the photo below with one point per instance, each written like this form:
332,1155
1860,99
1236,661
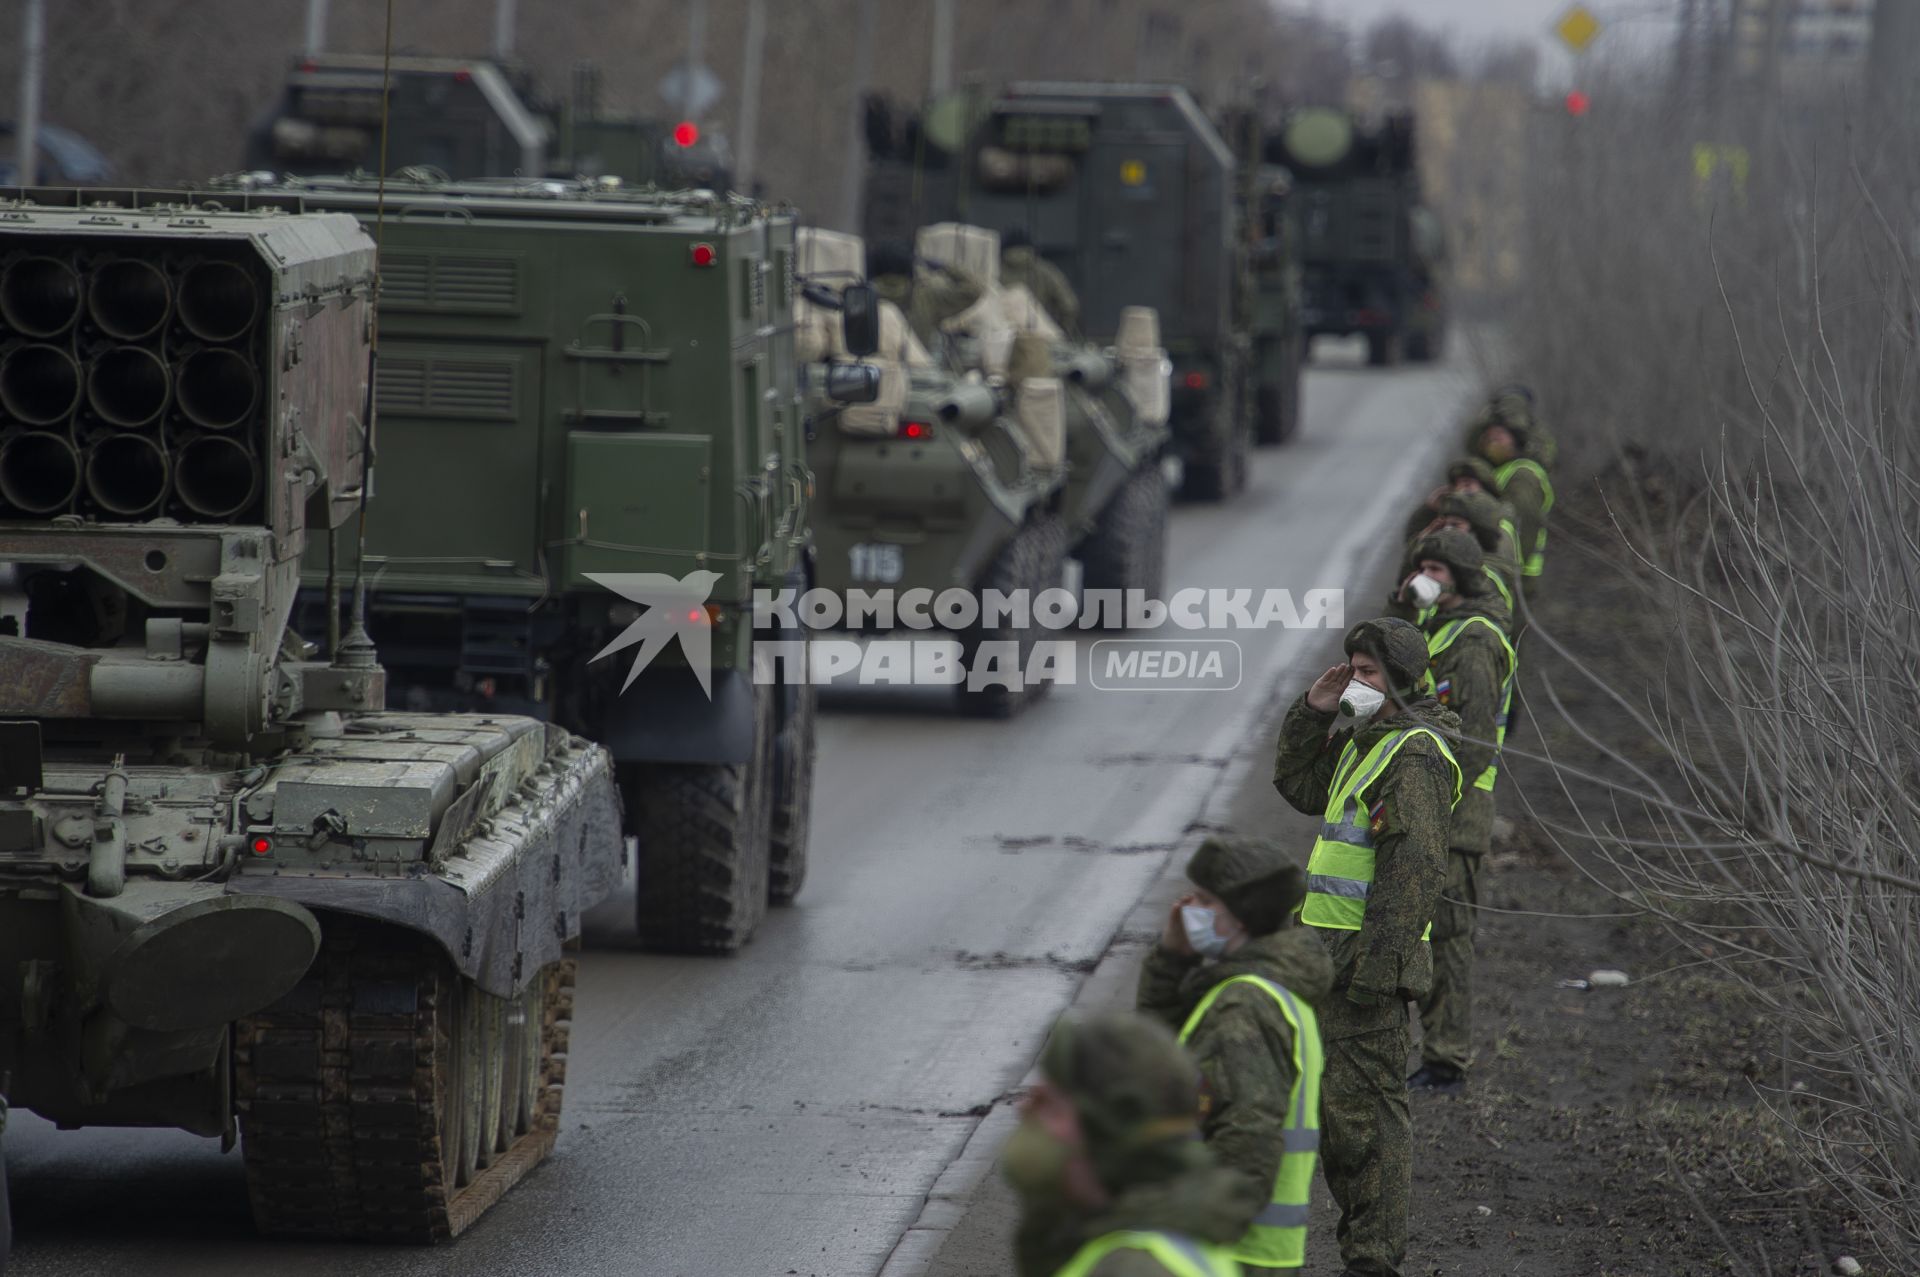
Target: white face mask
1198,922
1361,700
1425,590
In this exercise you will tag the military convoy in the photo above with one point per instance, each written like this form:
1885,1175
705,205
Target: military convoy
985,465
470,118
237,896
1136,196
1372,252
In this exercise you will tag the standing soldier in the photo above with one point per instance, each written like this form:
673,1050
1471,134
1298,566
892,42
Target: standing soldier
1522,482
927,295
1112,1176
1021,263
1384,778
1237,978
1489,521
1473,664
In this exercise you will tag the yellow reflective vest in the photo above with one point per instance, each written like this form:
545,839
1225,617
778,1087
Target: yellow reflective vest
1180,1256
1340,870
1278,1238
1442,639
1536,559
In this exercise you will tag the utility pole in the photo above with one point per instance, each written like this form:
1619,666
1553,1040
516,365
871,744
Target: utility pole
316,27
940,78
857,130
756,56
696,38
26,134
503,24
1890,58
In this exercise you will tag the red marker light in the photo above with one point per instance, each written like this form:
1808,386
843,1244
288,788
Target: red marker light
916,430
1195,381
703,255
462,76
686,133
1578,102
261,846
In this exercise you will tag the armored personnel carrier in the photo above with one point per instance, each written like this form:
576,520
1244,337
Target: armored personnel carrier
605,378
236,896
1115,403
942,482
1133,193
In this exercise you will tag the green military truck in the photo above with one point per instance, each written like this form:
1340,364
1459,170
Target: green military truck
470,118
584,391
1132,192
1373,253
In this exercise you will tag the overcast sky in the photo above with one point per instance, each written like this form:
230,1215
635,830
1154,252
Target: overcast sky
1476,21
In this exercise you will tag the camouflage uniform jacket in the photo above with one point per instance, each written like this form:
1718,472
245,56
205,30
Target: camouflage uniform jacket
1468,678
1386,958
1045,281
1195,1198
935,295
1244,1044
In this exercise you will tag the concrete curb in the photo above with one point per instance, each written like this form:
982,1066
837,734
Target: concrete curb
949,1198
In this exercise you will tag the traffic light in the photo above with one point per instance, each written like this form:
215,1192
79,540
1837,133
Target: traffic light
1577,103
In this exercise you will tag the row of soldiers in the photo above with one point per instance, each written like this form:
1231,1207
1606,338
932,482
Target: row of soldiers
1283,992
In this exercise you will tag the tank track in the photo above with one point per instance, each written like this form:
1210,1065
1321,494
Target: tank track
339,1087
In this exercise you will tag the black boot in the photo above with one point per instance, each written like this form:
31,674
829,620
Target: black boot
1441,1079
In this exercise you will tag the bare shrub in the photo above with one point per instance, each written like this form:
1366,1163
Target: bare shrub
1719,311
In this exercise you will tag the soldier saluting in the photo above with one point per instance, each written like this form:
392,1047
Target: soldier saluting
1367,747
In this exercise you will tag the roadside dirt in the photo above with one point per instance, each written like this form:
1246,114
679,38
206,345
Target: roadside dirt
1617,1132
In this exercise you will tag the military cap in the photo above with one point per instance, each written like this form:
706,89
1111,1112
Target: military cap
1253,877
1477,468
1460,552
1518,389
1400,648
1481,510
1128,1077
889,257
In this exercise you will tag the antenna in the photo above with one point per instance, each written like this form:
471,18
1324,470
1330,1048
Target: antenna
356,650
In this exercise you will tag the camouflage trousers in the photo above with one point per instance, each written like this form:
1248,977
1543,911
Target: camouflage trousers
1366,1131
1446,1014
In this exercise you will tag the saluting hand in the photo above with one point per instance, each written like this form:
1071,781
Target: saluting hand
1324,695
1173,936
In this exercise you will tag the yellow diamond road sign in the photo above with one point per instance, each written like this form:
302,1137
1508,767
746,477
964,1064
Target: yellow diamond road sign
1577,28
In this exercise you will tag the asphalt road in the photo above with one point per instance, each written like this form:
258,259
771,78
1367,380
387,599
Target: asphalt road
786,1111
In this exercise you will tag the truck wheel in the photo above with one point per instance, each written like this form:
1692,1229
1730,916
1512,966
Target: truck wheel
1383,349
793,799
1032,560
703,874
388,1098
1127,549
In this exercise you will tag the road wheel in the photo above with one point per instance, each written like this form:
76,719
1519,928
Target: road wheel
793,798
703,833
388,1098
1127,549
1032,560
1239,457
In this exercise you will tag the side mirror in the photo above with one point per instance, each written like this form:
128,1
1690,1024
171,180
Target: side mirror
860,323
853,383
